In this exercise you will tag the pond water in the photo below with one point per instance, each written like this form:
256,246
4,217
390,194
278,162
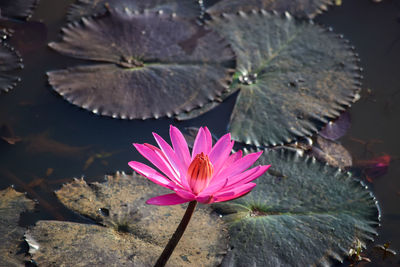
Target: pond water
60,141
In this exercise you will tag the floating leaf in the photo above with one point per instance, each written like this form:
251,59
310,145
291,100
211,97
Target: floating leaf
157,65
19,9
9,61
294,76
333,153
187,8
336,129
131,232
298,8
309,216
12,203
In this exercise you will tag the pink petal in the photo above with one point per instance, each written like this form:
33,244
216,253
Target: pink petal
165,200
234,157
173,159
155,156
206,199
200,143
247,176
151,174
180,146
184,194
211,189
234,193
220,152
209,140
237,180
217,183
240,165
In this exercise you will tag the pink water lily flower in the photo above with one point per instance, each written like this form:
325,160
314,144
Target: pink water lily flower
210,174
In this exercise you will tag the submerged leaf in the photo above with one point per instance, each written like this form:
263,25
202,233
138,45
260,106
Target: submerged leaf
19,9
309,217
27,36
336,129
43,143
333,153
187,8
374,168
298,8
155,65
8,135
294,76
131,232
12,204
9,61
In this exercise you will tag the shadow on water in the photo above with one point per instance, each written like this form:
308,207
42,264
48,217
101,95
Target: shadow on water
58,141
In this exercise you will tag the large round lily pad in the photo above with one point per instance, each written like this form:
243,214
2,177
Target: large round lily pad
154,65
187,8
9,61
301,213
130,231
298,8
294,76
12,204
19,9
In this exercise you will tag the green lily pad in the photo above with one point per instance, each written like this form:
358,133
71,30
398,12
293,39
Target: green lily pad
187,8
9,61
301,213
12,204
298,8
153,65
129,231
294,76
18,9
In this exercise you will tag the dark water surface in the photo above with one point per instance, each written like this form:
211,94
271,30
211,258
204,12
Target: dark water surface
61,141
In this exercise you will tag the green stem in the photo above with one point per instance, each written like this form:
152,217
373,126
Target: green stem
162,260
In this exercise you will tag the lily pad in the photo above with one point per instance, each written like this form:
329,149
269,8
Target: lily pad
12,204
18,9
294,76
154,65
9,61
130,231
301,213
298,8
187,8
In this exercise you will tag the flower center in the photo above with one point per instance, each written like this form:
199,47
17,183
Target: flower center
200,172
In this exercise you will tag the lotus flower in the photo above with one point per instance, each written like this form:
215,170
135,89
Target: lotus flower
210,174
